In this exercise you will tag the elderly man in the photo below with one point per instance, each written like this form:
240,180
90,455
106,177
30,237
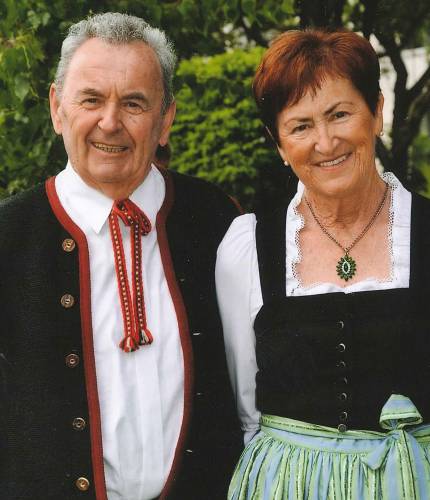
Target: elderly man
112,361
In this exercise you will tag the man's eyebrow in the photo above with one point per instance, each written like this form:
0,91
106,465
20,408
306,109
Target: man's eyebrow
90,91
138,96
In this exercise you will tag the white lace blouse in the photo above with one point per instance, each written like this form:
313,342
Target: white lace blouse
239,291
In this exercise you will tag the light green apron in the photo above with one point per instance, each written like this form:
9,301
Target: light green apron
293,460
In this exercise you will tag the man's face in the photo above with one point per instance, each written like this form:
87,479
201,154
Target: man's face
110,114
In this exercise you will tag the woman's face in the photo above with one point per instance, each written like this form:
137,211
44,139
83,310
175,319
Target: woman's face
328,138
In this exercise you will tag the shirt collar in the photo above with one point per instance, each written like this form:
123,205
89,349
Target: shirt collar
94,207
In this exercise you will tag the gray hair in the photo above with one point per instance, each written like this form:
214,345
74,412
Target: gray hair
116,28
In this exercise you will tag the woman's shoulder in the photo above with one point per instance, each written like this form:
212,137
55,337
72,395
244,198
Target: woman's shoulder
238,243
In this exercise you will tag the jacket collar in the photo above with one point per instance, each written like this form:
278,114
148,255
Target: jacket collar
93,207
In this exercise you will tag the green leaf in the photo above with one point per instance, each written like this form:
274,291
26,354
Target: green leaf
22,86
249,9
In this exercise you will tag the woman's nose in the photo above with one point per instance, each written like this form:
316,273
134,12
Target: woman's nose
325,139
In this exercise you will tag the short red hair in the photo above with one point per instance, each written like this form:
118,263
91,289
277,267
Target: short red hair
299,61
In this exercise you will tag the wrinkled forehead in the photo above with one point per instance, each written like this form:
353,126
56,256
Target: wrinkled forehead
97,58
309,86
323,100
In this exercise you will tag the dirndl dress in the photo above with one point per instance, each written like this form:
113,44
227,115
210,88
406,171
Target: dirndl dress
293,460
351,357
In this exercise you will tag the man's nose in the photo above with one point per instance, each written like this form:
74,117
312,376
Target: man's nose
325,139
110,119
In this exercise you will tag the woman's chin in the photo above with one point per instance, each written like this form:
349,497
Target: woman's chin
334,187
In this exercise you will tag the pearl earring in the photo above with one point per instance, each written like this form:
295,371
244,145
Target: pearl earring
381,133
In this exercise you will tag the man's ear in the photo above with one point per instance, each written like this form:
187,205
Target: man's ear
168,118
54,106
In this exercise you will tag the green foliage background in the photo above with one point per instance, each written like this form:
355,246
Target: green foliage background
217,134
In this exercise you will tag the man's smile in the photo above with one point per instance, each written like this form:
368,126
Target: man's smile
108,148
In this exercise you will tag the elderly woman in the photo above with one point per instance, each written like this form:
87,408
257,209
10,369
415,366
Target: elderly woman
324,303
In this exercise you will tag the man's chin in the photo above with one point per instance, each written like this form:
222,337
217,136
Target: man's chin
115,185
109,173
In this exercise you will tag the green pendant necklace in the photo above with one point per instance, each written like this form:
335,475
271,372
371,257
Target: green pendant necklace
346,266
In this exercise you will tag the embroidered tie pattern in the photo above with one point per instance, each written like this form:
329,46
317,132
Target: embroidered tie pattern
136,332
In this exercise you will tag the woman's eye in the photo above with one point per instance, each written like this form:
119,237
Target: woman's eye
340,114
300,128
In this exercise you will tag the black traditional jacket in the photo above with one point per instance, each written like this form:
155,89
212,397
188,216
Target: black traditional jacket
50,435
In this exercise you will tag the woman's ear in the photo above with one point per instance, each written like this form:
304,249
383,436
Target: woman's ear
283,155
278,147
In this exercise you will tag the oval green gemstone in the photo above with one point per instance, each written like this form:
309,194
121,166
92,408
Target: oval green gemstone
346,267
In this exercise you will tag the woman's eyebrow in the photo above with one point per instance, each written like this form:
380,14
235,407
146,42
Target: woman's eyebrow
302,119
334,106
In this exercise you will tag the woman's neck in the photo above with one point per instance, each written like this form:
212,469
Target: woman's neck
350,211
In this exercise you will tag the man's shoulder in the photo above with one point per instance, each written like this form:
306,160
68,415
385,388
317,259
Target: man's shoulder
24,208
199,194
199,208
195,184
23,199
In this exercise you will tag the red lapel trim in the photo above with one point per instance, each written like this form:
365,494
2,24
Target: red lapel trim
87,338
184,332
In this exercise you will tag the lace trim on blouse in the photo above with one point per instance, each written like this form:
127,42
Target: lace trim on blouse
398,240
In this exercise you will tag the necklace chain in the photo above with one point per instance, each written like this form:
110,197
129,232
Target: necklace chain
347,249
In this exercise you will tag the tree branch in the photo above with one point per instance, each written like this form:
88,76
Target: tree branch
416,114
394,53
320,13
252,32
302,12
417,17
384,154
331,13
419,86
401,102
369,16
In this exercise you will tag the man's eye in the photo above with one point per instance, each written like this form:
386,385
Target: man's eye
133,107
90,101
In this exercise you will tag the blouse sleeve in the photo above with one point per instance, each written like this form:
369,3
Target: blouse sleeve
239,299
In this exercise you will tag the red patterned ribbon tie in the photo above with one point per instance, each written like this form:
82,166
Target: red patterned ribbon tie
136,332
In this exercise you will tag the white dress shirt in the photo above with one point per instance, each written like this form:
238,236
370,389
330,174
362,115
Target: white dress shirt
239,291
141,394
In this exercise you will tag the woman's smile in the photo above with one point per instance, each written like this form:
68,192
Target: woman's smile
330,164
328,138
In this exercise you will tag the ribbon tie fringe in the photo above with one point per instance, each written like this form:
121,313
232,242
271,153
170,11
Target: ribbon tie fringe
136,332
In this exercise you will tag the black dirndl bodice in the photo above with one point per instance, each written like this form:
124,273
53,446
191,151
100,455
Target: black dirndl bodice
334,359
